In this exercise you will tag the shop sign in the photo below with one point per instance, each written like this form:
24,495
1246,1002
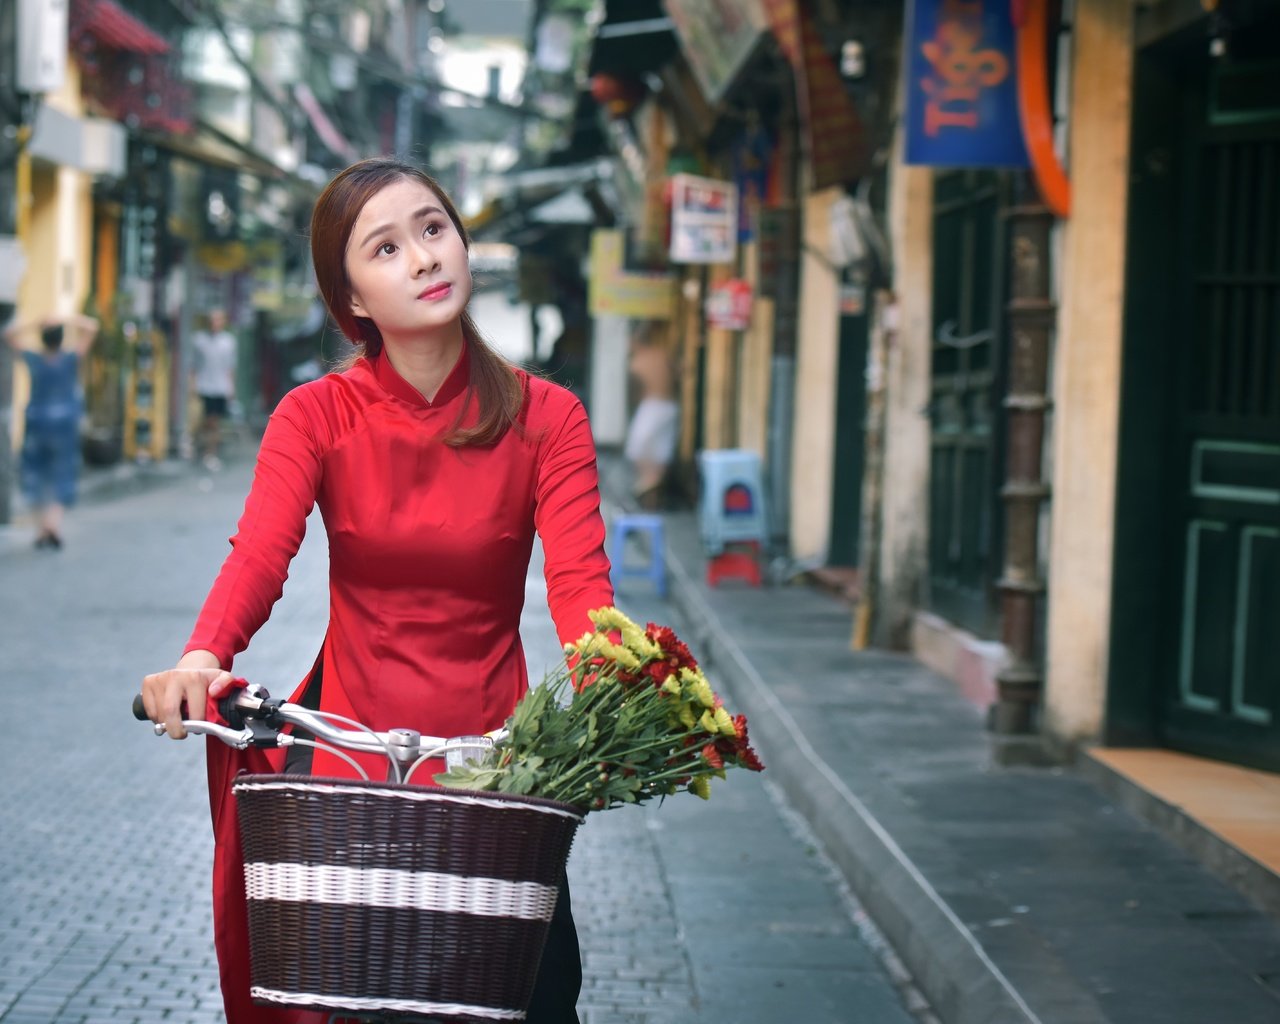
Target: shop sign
729,305
962,93
613,290
717,37
704,219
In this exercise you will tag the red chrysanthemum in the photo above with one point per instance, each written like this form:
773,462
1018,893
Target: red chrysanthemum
672,646
712,756
737,748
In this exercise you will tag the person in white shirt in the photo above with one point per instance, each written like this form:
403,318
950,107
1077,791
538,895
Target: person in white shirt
654,429
214,380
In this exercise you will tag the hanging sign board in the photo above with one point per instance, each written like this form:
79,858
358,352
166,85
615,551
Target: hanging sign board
704,220
614,290
962,93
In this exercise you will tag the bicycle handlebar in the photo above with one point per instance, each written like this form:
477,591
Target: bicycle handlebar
254,718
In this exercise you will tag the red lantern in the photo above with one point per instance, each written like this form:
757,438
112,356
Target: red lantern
619,96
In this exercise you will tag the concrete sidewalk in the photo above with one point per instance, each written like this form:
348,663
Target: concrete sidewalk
1012,894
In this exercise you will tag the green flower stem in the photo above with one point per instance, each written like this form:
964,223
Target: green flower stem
584,771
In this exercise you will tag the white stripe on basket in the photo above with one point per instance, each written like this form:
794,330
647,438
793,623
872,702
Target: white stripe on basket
382,1005
423,794
410,890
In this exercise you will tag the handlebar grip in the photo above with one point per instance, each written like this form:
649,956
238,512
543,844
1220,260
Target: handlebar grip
139,709
229,711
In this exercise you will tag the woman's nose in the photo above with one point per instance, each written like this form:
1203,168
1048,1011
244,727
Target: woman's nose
426,258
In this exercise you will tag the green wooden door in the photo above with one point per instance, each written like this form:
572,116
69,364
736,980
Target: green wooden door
848,450
965,515
1222,674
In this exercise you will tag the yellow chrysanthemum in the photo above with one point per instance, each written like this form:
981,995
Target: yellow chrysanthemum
687,717
610,617
702,691
638,640
724,723
672,686
701,786
620,654
708,722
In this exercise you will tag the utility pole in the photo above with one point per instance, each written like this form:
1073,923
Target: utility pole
1031,315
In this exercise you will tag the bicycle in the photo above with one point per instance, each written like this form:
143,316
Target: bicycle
434,886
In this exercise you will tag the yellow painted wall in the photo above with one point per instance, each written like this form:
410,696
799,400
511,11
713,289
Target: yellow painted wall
1087,372
817,353
719,411
904,532
56,230
755,352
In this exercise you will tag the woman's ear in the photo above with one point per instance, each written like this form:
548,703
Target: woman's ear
357,307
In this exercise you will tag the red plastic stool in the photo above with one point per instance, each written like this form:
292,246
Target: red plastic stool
735,563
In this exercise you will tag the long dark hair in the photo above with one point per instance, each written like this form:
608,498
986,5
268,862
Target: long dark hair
494,384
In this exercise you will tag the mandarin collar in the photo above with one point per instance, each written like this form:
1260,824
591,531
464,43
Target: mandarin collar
454,384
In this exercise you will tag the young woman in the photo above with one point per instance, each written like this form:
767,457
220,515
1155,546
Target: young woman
50,467
433,463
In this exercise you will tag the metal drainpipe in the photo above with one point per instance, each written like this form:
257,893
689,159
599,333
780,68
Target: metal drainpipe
1031,316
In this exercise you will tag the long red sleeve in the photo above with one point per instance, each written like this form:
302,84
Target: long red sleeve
567,517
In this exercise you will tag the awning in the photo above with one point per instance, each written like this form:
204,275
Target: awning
569,207
207,144
718,40
838,149
324,127
524,191
113,26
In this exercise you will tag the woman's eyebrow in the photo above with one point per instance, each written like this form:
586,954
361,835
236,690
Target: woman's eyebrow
383,228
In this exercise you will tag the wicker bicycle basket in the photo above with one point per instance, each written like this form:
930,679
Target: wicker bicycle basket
378,898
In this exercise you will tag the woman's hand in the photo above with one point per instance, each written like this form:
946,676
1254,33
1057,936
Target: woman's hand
195,678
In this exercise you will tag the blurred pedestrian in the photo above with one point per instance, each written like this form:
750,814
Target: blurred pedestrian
214,380
434,463
50,459
650,447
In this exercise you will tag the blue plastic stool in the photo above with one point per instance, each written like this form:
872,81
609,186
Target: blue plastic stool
656,569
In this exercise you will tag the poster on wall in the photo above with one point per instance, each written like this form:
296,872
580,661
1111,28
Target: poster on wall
962,85
704,220
729,305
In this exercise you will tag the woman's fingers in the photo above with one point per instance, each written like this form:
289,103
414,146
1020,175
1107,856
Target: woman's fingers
178,693
221,684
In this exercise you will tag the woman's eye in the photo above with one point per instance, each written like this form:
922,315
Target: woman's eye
387,248
431,229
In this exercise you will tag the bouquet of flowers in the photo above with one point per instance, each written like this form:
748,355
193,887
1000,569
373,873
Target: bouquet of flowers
627,717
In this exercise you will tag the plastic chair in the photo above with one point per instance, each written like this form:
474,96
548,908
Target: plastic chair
655,569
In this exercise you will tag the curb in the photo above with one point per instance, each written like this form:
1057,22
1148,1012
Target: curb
950,965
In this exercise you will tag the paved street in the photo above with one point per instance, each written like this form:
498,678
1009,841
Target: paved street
719,911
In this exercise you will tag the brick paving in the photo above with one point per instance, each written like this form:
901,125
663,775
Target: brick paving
688,911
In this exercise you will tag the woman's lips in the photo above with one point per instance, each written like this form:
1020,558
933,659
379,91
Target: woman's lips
436,291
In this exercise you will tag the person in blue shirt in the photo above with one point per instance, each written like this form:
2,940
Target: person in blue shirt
50,460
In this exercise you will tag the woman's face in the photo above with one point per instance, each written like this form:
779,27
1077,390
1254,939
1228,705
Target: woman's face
407,263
